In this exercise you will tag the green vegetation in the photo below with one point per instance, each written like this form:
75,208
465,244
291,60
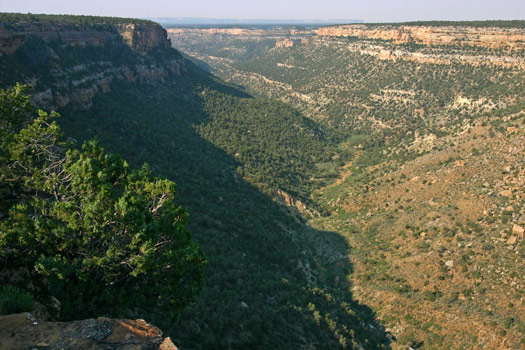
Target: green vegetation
93,21
344,84
14,300
262,261
401,228
258,254
100,237
275,143
411,136
479,24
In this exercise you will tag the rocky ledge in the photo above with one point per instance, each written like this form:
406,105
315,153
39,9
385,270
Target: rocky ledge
493,37
23,331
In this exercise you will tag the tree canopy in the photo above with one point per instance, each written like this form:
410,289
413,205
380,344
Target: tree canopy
94,233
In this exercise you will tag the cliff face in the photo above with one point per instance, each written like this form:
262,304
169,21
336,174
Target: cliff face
295,205
144,37
140,37
211,31
80,61
508,38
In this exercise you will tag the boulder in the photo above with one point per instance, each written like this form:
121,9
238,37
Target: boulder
506,193
518,231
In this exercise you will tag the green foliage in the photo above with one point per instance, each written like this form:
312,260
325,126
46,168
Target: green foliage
480,24
378,108
26,143
13,18
432,295
14,300
106,238
275,144
352,94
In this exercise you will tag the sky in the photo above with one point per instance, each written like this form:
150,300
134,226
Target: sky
367,10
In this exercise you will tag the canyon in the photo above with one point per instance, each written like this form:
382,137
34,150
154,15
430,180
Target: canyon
431,202
440,45
353,187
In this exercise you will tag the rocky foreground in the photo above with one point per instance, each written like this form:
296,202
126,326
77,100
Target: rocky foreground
23,331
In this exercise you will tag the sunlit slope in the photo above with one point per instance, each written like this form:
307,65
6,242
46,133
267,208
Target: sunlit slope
431,202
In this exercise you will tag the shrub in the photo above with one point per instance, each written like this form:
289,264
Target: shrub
14,300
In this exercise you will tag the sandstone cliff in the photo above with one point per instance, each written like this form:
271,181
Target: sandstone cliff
141,52
240,31
23,331
511,38
144,37
140,37
282,37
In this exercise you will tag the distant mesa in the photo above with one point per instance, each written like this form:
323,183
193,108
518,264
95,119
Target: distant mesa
491,37
191,21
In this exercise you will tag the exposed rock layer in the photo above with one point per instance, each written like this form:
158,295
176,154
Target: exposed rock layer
485,37
81,81
284,43
140,37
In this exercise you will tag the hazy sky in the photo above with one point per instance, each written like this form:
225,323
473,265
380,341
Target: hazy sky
368,10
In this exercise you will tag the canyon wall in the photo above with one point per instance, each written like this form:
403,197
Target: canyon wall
511,38
140,37
144,37
241,31
96,56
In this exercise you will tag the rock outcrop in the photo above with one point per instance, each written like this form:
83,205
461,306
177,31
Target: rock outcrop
144,37
284,43
140,37
23,331
294,204
509,38
79,80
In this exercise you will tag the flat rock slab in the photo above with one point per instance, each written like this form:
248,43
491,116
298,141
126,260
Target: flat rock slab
23,331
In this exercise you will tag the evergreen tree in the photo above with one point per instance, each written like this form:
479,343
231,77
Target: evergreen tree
96,234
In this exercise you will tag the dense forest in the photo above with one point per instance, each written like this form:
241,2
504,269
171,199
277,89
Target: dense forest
268,275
